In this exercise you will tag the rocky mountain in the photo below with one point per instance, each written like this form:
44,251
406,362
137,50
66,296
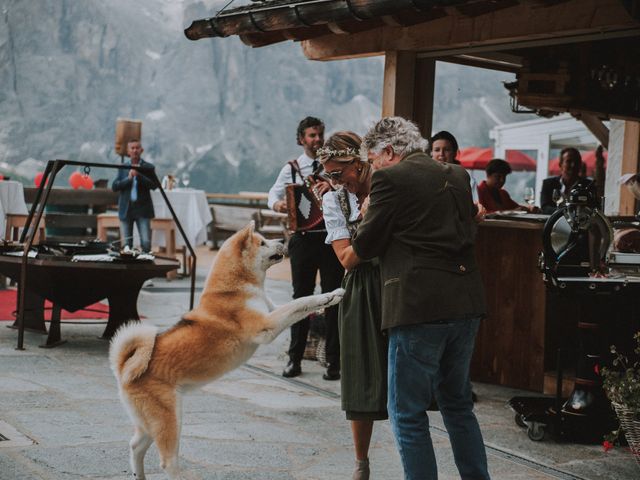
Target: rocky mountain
223,111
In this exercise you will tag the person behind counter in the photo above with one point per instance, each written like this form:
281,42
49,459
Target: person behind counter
443,147
555,189
490,191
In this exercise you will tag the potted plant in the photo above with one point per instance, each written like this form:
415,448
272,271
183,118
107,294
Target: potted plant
621,382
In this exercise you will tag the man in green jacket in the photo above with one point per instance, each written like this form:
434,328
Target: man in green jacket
420,223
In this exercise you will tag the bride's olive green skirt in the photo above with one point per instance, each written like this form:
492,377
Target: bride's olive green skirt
363,347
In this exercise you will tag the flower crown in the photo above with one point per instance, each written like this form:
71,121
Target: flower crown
330,152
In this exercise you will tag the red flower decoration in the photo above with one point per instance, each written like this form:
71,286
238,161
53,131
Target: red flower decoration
75,180
87,182
607,445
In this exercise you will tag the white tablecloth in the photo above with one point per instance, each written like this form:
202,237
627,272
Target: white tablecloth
11,201
192,210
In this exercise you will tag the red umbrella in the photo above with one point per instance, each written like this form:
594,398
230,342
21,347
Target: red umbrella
589,158
476,158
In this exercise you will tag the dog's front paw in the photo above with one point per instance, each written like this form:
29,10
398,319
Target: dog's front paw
331,298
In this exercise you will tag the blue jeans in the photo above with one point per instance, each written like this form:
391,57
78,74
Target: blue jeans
144,230
427,360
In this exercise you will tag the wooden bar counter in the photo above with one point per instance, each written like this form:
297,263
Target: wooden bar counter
512,346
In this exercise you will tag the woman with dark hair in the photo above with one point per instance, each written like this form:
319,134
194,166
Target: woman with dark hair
443,147
363,350
490,191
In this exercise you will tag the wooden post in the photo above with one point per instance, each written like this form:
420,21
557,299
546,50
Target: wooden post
425,80
399,80
408,88
624,157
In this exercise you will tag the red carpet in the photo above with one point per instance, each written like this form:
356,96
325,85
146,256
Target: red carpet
8,301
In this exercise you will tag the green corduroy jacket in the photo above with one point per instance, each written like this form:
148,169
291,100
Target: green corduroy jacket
420,223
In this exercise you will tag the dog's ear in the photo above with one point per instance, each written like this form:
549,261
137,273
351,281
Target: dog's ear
247,232
251,228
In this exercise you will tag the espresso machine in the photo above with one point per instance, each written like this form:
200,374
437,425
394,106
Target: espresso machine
579,264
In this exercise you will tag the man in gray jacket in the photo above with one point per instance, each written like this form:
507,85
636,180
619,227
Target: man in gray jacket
420,223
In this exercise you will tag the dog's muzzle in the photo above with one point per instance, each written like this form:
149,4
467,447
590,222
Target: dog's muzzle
277,257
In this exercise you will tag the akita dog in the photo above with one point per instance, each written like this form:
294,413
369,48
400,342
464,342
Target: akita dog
233,318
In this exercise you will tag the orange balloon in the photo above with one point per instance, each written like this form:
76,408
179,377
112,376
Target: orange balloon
38,179
87,182
75,180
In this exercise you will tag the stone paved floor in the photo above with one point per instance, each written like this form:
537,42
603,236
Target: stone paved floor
60,410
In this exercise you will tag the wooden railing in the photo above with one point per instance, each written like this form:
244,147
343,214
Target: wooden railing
232,211
241,199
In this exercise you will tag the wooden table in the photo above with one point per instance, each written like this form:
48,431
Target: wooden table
75,285
191,208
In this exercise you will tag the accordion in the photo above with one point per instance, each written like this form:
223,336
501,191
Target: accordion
304,207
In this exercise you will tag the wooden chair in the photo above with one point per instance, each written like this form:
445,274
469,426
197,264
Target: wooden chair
168,226
16,222
104,222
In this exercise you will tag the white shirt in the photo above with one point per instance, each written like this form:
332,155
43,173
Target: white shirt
334,218
276,192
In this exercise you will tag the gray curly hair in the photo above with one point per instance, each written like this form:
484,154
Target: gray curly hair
402,135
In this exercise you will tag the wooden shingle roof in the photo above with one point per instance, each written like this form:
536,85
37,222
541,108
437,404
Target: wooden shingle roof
271,21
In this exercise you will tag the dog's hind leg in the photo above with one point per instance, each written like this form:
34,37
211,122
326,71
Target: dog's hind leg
165,430
289,313
139,444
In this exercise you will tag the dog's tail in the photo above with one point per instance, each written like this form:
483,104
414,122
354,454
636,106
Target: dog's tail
130,351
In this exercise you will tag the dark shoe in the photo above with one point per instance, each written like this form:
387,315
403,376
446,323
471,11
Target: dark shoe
362,470
292,370
333,373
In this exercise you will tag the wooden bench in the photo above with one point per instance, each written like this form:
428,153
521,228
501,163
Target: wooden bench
228,219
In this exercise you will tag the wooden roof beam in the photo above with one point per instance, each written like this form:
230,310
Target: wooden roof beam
475,9
501,61
299,34
406,18
520,26
262,40
596,126
341,28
